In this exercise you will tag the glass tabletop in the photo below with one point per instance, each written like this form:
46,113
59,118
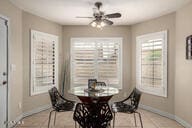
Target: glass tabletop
98,92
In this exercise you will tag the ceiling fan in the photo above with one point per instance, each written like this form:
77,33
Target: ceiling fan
100,19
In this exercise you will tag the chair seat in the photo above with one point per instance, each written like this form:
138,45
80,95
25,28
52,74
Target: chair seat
65,106
122,107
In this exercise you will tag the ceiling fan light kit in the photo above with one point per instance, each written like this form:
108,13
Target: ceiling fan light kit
100,19
98,24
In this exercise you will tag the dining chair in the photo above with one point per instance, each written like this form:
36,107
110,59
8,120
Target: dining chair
100,84
128,105
95,115
59,103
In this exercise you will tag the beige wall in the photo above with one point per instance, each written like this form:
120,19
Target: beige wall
116,31
183,77
162,23
15,41
34,22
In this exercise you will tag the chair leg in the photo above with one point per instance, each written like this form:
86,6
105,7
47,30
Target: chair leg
50,118
110,124
114,120
55,117
135,120
76,125
140,119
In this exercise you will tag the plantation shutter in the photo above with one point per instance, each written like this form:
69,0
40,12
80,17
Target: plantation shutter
152,63
44,62
96,58
151,66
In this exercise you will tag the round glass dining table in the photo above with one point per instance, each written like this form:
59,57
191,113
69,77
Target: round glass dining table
99,94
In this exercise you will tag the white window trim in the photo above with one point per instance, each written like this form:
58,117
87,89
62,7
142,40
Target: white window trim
159,91
32,73
120,39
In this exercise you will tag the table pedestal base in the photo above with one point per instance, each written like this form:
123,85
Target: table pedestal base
94,115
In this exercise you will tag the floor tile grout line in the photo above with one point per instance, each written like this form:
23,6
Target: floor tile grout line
150,120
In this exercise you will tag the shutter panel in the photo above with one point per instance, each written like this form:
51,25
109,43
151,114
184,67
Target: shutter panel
108,62
151,63
83,62
96,58
43,62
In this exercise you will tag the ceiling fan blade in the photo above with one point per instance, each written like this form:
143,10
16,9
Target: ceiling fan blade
89,17
113,15
108,22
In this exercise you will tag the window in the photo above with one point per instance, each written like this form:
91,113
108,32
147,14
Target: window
99,58
151,61
44,63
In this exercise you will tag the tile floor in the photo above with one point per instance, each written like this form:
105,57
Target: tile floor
65,120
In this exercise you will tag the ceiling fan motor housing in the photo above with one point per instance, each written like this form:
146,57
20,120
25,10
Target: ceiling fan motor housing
99,15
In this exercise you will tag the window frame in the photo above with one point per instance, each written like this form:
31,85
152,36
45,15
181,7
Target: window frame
161,91
120,41
33,87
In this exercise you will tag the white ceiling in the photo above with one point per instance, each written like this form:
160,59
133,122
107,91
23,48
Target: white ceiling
133,11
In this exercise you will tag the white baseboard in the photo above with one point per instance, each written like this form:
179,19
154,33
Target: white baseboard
183,122
37,110
166,114
157,111
25,114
